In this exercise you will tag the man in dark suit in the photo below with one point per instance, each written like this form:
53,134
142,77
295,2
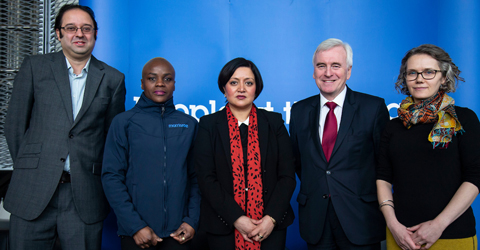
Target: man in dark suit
59,113
336,136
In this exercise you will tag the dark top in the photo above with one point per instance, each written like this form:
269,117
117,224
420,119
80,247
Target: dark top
425,179
243,129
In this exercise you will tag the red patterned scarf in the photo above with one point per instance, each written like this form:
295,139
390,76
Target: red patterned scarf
254,204
438,109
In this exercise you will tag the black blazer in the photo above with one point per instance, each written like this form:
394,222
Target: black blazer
214,170
349,177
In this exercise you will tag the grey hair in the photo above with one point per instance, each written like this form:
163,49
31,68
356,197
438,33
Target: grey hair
334,42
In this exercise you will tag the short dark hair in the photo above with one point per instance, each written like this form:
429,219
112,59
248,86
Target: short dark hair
449,70
67,7
230,68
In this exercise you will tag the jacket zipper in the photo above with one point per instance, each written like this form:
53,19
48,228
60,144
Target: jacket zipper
165,192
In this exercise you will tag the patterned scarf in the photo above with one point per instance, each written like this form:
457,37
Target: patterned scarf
439,109
254,204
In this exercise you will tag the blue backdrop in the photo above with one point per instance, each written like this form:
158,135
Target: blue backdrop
199,37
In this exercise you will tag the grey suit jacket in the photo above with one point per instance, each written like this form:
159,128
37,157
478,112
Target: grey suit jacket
41,132
349,177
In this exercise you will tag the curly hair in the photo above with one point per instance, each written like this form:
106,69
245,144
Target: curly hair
449,70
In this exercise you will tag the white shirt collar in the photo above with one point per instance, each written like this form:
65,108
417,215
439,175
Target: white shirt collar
246,122
339,100
70,69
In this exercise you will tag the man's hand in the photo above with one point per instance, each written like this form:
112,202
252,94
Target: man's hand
146,238
184,233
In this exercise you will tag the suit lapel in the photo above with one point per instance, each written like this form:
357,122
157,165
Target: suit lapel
60,73
94,78
222,125
314,118
262,136
348,112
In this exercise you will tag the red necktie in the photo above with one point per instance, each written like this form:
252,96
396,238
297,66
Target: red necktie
329,131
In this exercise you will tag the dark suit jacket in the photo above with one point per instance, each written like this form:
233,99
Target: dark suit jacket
41,132
349,177
214,170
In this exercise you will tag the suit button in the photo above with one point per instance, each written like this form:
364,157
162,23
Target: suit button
328,172
62,159
265,171
70,136
325,196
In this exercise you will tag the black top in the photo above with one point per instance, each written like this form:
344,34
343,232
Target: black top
425,179
244,138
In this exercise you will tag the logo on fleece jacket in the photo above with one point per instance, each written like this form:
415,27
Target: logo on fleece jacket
178,125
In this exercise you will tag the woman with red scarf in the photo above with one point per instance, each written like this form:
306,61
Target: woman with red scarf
429,156
245,167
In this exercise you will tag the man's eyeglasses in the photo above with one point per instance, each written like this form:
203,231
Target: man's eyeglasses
71,29
427,74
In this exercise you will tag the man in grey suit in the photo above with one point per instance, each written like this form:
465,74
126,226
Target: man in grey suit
336,137
59,113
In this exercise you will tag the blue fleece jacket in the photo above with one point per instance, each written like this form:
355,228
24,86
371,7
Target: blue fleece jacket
148,174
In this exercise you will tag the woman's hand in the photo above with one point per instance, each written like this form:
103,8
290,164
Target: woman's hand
402,236
426,234
245,226
146,238
184,233
263,230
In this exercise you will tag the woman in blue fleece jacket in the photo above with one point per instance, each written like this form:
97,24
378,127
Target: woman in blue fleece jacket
148,174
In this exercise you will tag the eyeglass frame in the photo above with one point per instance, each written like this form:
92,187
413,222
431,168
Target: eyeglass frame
421,73
77,28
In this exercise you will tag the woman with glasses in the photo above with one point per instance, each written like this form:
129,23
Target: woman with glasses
429,157
245,167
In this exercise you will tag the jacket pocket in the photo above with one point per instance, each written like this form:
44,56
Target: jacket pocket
302,199
99,105
26,162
